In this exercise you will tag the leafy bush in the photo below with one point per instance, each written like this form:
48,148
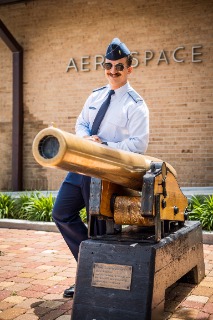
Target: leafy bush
6,206
33,206
201,208
83,215
21,204
30,206
39,207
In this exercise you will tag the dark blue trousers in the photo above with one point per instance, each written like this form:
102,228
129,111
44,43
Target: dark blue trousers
73,196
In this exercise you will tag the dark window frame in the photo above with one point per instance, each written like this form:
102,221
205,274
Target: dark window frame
17,109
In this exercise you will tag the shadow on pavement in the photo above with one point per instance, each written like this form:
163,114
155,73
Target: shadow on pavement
52,309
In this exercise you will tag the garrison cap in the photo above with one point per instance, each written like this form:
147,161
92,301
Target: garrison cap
116,50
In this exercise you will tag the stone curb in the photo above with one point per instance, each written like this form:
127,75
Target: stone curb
208,237
28,225
51,227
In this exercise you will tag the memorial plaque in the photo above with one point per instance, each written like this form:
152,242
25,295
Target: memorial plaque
113,276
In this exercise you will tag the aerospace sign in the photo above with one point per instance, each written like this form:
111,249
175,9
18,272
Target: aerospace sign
180,54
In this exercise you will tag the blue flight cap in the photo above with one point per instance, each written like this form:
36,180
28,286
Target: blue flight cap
116,50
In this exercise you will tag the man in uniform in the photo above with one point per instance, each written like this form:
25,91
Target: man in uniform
114,115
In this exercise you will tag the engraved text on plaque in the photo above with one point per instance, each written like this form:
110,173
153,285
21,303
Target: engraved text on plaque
114,276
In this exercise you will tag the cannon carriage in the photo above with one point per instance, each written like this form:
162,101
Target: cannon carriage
148,244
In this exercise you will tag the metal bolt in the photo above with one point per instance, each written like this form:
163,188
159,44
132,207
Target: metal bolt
176,210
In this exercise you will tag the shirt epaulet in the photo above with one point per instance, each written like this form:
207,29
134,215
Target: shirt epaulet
101,88
135,96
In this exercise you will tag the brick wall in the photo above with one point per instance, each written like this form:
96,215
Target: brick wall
179,95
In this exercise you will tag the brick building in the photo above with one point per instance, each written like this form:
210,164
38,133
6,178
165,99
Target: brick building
63,43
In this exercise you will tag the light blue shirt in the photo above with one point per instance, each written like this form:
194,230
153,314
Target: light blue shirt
126,123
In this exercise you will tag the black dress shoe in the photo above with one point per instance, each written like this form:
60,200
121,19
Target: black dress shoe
68,293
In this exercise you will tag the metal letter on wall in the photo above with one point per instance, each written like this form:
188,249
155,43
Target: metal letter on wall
72,64
163,57
135,61
194,53
99,59
174,54
84,63
148,56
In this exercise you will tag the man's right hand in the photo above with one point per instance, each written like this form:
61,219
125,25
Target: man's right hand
93,138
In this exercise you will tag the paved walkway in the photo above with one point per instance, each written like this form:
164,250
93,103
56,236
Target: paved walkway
36,266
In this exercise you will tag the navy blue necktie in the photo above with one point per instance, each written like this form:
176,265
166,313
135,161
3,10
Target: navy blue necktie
101,113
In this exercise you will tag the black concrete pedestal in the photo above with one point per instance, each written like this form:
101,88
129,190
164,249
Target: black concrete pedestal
127,280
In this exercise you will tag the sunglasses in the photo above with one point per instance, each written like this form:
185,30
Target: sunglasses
109,65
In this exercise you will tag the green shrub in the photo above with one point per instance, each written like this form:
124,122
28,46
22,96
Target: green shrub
6,206
83,215
38,207
30,206
21,205
201,208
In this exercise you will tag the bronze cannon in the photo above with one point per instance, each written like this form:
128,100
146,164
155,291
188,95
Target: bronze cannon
126,188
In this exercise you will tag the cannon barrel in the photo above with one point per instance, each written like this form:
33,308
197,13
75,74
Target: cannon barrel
56,148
